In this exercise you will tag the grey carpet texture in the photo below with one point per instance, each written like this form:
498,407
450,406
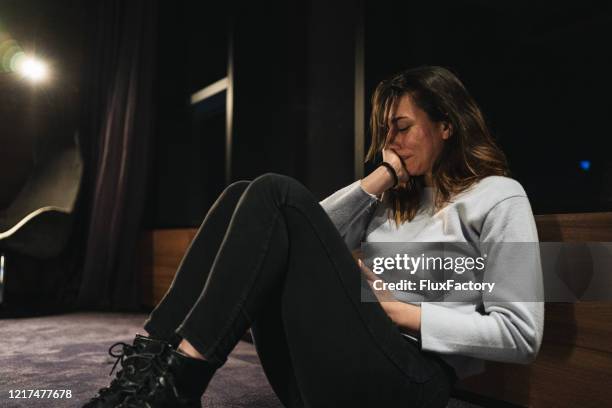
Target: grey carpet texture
70,352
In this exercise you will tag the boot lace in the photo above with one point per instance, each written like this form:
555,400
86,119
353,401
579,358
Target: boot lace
125,381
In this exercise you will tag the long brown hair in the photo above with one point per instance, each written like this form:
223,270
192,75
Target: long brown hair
469,154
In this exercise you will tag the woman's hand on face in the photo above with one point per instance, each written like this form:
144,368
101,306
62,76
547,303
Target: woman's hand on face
391,157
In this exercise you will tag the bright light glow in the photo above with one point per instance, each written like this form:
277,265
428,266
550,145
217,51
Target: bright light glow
32,68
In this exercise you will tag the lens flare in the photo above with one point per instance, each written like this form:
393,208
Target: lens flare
15,60
8,49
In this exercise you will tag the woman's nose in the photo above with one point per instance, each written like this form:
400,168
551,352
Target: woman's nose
393,142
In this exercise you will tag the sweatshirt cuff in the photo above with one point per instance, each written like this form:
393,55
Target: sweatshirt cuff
377,198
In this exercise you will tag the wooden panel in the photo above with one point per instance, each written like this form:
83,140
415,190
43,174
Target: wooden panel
161,255
583,324
562,376
587,325
582,227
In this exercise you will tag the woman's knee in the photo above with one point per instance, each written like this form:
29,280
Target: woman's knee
274,182
238,185
273,179
236,188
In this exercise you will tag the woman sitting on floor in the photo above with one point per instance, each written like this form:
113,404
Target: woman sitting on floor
268,257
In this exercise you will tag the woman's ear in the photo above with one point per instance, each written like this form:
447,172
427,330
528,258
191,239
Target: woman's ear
447,130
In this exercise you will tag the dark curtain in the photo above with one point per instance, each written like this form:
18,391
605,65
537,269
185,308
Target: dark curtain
116,137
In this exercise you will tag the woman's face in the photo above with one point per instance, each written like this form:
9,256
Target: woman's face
415,138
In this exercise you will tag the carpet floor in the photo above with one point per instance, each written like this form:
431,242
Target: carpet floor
69,352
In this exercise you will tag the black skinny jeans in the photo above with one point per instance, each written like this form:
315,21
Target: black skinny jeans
268,257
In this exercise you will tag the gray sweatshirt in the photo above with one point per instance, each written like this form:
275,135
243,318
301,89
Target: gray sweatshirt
465,333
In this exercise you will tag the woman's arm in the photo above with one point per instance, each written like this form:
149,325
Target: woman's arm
378,181
349,208
511,327
407,317
381,179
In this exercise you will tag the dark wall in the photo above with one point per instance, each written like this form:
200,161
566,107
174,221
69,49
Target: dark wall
266,48
293,78
191,54
331,92
294,91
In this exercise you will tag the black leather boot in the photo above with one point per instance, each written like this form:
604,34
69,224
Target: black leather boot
137,361
179,383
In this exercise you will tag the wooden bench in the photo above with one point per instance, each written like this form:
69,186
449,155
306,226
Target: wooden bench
574,366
